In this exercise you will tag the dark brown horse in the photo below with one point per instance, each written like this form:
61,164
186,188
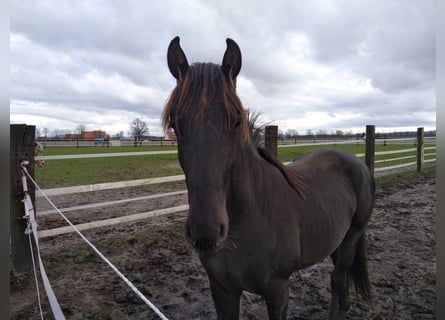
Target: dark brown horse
252,220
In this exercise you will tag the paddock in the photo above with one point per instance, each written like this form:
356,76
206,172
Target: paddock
154,256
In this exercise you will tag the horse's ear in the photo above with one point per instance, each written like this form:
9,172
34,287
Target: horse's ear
231,64
177,62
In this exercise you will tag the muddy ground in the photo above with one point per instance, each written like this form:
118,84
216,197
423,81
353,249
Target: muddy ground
154,256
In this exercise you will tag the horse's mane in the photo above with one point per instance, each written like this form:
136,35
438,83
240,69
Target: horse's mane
256,131
205,82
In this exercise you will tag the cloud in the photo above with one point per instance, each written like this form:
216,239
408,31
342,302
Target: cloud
311,65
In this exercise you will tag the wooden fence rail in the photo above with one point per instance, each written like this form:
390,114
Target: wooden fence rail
109,185
181,177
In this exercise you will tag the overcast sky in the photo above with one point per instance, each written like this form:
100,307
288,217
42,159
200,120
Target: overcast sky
314,64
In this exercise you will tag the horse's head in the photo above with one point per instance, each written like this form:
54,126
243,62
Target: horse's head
211,127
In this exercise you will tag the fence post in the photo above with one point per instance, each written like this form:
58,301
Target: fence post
420,149
22,144
271,139
370,147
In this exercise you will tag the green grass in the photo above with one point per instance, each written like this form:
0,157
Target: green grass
290,153
71,172
429,170
51,151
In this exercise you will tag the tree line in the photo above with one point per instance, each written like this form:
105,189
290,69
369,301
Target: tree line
138,129
340,134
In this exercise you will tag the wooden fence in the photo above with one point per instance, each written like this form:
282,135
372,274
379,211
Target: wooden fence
22,138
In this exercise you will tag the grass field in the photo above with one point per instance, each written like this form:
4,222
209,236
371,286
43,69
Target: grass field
290,153
84,150
71,172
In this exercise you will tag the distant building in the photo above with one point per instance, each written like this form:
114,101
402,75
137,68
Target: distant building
87,135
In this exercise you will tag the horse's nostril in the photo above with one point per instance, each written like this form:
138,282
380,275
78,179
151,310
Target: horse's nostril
222,231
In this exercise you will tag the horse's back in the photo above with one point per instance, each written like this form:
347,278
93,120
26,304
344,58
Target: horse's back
325,158
320,163
329,168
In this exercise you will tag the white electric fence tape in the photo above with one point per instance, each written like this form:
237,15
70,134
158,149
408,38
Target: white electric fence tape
29,213
135,290
35,271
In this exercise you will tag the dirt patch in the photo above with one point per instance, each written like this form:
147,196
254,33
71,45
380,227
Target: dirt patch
154,256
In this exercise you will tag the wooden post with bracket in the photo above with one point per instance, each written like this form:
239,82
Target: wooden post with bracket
22,145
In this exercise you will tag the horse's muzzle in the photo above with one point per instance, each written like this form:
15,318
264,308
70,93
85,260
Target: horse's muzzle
206,238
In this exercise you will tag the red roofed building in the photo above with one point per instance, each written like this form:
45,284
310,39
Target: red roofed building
87,135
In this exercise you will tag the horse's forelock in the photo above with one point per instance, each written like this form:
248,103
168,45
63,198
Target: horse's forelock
207,80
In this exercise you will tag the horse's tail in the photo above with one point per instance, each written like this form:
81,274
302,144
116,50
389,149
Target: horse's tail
359,270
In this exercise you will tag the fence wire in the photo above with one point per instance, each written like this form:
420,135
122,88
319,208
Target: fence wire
125,279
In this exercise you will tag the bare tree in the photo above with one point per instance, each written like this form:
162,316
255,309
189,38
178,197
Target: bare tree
60,133
291,133
81,128
119,135
45,132
138,128
339,133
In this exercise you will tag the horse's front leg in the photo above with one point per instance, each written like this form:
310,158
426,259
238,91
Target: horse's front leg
277,298
227,302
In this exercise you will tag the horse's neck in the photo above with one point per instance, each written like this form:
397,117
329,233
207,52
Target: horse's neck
253,179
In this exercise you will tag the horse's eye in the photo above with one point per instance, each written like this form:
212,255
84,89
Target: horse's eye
236,124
